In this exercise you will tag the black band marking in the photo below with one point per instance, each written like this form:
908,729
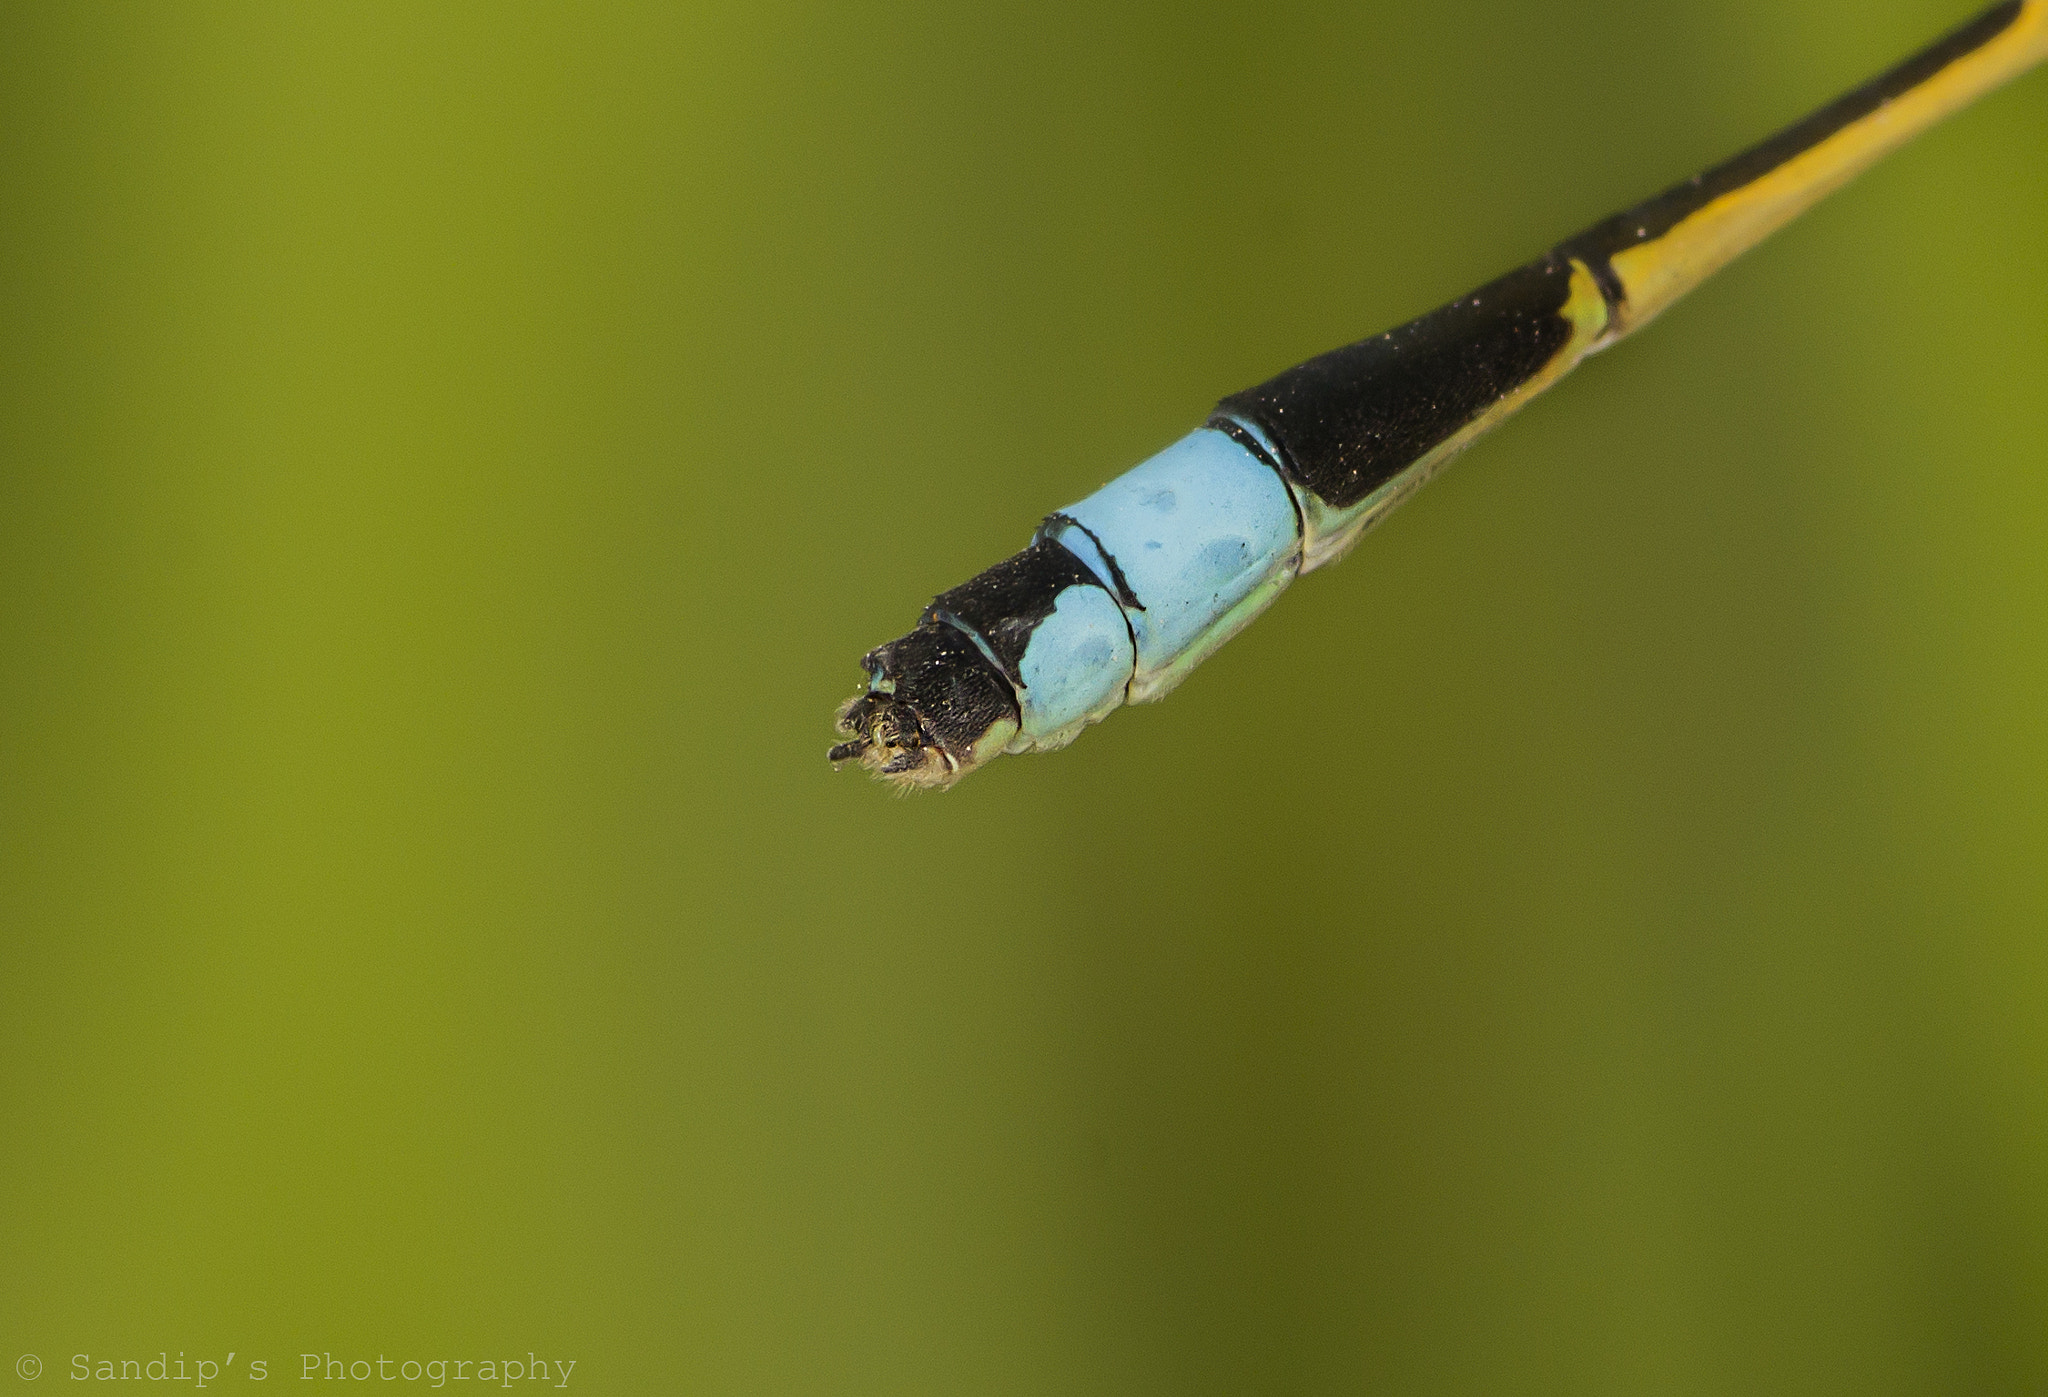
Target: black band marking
1243,436
1121,588
1127,600
1655,217
1351,420
1249,440
1609,282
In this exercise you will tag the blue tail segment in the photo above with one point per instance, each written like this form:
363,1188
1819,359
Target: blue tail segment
1190,536
1115,601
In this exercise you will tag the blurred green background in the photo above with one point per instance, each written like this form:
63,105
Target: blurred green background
453,457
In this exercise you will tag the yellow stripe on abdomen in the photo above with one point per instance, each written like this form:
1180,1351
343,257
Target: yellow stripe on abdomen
1665,264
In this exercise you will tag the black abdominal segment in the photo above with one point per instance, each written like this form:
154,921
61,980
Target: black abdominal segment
941,677
1005,604
1351,420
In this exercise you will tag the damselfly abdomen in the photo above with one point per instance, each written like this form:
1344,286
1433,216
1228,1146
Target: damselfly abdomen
1119,596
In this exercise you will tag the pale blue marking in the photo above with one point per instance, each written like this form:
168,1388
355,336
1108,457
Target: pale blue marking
1198,531
1074,668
